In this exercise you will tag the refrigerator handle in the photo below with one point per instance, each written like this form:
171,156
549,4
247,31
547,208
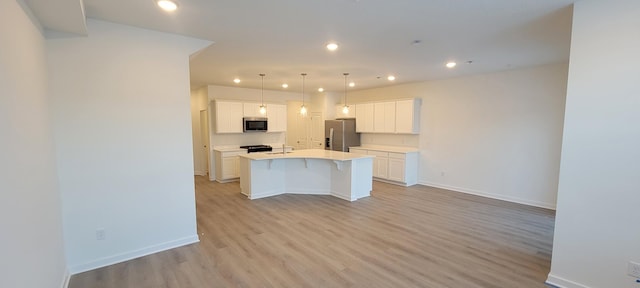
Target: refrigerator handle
331,139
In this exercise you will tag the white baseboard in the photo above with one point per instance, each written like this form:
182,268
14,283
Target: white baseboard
110,260
551,206
392,182
560,282
66,276
200,173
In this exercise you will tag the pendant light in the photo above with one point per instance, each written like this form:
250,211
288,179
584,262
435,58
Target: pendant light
263,108
345,108
303,109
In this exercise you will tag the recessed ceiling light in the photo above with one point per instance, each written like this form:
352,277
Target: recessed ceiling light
351,84
285,85
332,46
320,89
167,5
236,80
451,64
391,78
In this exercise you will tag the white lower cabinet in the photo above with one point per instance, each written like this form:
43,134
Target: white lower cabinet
380,164
392,165
228,165
396,167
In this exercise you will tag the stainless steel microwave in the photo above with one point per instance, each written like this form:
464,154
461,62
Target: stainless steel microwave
254,124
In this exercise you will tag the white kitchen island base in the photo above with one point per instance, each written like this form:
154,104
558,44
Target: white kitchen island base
319,172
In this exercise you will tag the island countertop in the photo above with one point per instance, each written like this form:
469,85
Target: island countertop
308,154
310,171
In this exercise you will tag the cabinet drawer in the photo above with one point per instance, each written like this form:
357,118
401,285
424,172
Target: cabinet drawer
378,153
397,155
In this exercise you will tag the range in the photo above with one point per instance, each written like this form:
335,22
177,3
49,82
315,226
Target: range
257,148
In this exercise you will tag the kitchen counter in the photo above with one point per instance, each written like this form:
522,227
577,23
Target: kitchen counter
396,149
308,154
228,148
237,148
319,172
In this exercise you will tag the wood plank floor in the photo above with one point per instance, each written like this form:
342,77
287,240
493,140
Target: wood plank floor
399,237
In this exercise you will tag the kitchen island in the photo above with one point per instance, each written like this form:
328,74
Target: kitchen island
313,171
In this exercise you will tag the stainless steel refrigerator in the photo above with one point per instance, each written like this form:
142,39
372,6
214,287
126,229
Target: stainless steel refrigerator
340,134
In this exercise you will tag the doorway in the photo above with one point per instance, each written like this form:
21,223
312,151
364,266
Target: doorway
204,134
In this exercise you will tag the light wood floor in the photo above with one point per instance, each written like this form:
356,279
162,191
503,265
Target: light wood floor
399,237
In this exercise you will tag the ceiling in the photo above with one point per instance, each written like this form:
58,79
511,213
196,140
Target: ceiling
410,39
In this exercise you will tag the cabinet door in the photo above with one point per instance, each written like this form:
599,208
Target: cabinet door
407,116
364,117
252,110
277,117
396,169
228,117
381,168
380,163
384,117
230,167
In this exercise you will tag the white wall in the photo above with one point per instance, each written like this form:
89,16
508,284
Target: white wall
597,230
496,135
120,100
31,245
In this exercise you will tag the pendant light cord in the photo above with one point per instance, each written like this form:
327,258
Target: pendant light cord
303,75
345,88
262,90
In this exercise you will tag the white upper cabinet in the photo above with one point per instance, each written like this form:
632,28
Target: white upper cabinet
340,113
408,116
228,117
252,110
364,117
399,117
384,117
277,118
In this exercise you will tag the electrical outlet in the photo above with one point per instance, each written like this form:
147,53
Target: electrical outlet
101,234
633,269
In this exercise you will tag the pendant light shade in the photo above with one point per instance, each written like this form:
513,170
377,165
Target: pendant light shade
345,108
263,108
303,109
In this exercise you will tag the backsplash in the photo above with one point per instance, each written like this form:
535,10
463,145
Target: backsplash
405,140
246,139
